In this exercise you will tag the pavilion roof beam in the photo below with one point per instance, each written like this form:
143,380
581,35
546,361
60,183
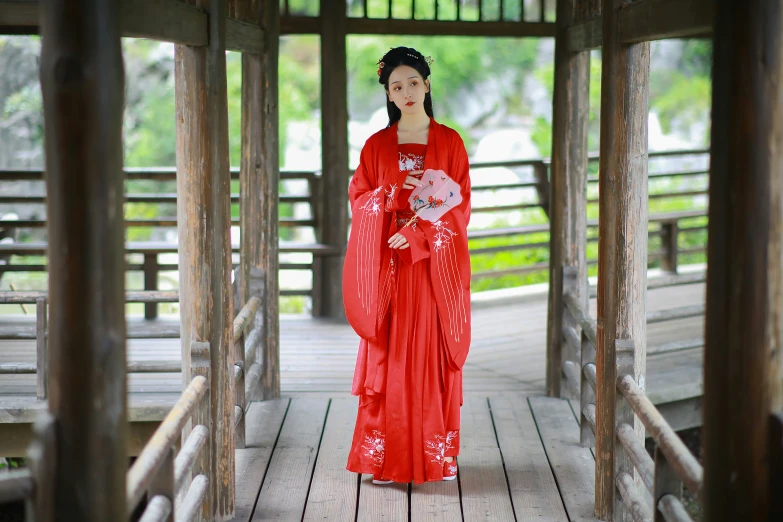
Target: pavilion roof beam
648,20
163,20
361,25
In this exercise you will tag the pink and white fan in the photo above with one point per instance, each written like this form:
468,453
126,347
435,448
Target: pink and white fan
438,195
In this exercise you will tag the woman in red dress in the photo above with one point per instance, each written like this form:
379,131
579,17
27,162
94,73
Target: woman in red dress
407,288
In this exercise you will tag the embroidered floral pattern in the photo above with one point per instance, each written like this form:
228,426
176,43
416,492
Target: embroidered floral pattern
365,253
452,469
437,447
450,277
390,196
375,445
386,291
410,162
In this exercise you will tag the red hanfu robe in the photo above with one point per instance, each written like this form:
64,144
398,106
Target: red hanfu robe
410,307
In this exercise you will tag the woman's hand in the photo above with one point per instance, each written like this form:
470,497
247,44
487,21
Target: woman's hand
398,241
411,181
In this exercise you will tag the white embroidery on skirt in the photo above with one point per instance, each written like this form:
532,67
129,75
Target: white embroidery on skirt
450,278
375,446
437,447
365,251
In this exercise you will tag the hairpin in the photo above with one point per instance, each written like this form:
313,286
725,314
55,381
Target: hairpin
380,67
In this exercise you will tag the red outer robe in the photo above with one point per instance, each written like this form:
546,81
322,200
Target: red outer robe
369,260
411,308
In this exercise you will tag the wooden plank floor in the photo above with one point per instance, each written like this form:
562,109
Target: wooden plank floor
520,459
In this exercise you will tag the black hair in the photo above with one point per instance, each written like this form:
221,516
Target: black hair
403,56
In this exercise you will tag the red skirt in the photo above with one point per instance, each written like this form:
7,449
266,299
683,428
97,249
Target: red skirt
406,428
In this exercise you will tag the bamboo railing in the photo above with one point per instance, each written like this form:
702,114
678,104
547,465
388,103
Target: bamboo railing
674,465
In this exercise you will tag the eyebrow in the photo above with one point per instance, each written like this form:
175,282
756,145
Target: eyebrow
410,78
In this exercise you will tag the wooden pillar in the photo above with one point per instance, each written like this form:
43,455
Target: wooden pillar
333,227
203,220
742,360
259,192
83,81
568,203
622,242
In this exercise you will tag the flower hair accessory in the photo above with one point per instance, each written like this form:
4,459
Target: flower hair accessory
380,67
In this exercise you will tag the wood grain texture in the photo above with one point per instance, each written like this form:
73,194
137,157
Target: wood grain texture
287,481
482,479
264,421
622,244
334,490
572,464
568,199
259,193
742,355
82,82
659,19
532,486
436,501
332,217
203,218
386,503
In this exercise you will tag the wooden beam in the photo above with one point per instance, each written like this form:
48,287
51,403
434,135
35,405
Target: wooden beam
164,20
622,244
259,193
83,83
742,356
568,196
203,219
244,37
384,26
584,36
648,20
332,218
19,17
445,28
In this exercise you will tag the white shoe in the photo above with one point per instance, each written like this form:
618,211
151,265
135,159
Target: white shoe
381,482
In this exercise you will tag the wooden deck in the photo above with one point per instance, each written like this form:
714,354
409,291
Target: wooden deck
520,459
317,360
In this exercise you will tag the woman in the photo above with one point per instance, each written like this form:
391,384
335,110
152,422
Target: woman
407,288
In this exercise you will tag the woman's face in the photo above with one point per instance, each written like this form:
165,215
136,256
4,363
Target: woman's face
407,89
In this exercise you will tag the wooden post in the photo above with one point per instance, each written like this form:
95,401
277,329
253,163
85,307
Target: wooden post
163,483
203,220
669,233
587,395
333,229
568,181
570,351
623,414
622,235
743,331
543,188
666,482
42,358
259,193
150,269
199,355
83,81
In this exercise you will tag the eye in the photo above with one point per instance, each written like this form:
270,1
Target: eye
414,84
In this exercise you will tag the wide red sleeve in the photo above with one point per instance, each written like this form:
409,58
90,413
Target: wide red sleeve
418,248
450,262
361,269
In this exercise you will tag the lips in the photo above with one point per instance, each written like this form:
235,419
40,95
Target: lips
410,104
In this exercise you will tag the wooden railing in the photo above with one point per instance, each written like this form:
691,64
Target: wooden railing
673,465
669,228
159,471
